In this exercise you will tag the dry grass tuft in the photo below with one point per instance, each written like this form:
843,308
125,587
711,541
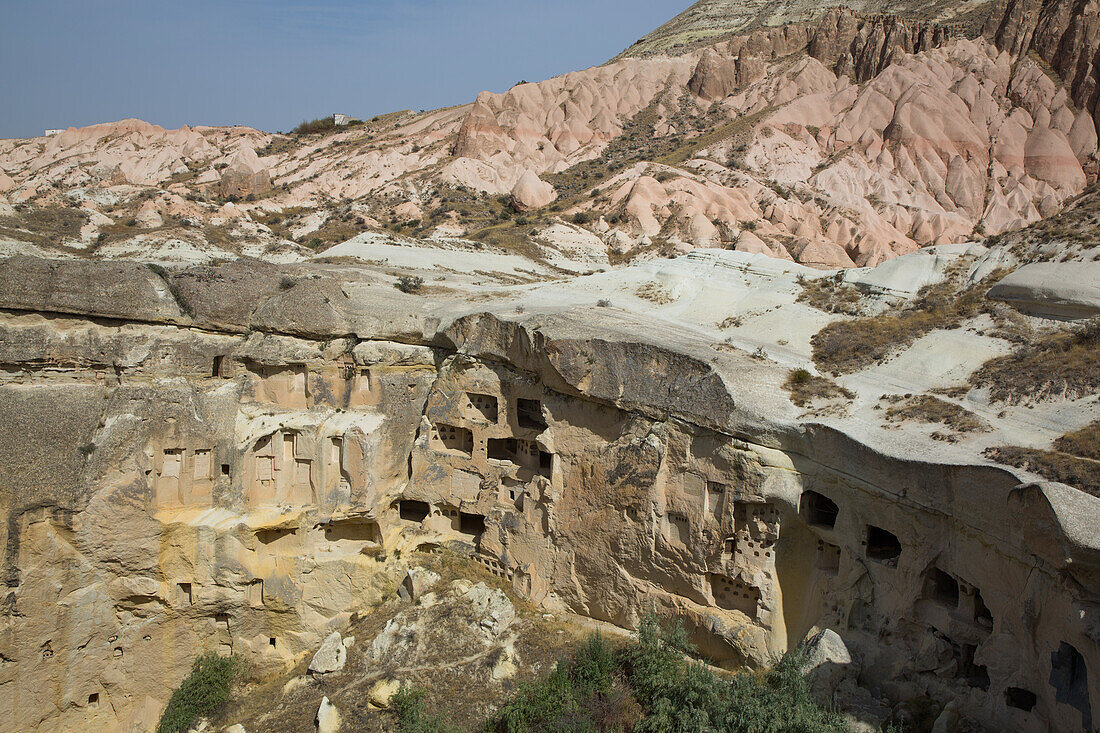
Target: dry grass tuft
805,388
929,409
830,295
1064,365
43,225
653,292
849,346
1074,459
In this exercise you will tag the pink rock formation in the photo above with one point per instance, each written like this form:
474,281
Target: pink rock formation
531,192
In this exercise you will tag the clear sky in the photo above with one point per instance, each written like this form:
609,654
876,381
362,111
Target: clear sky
272,64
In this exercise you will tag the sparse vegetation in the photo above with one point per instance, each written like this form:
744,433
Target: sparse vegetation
200,694
805,388
650,685
1084,443
1063,364
408,706
43,225
653,292
848,346
411,284
1079,473
831,295
315,127
929,409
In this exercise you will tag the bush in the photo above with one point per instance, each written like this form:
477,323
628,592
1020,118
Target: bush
1064,364
200,694
650,686
313,127
581,218
410,284
408,706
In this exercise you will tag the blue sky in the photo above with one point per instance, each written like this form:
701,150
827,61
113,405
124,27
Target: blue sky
272,64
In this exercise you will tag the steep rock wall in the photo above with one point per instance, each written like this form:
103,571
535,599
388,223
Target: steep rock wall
169,489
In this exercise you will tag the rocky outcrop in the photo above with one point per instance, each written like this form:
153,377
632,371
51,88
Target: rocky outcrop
248,489
1063,33
245,175
531,192
862,47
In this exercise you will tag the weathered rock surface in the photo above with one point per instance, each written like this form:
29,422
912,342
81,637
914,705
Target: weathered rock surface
331,657
1058,289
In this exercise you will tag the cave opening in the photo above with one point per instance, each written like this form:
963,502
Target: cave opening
819,510
411,510
883,546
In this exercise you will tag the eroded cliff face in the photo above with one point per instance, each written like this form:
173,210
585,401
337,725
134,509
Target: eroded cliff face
177,487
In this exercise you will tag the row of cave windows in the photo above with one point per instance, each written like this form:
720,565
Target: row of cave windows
883,546
528,412
348,370
498,449
173,459
411,510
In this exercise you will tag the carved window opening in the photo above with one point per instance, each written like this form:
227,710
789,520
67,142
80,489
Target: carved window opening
529,414
1069,677
1021,699
273,534
503,449
818,510
732,594
485,405
546,464
828,558
202,464
354,531
455,438
941,588
93,699
471,524
218,367
183,591
173,461
411,510
716,493
883,546
678,528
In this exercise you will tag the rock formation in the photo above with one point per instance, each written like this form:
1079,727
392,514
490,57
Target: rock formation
228,427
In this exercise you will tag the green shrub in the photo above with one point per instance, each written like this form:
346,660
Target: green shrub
410,284
313,127
651,686
408,705
200,694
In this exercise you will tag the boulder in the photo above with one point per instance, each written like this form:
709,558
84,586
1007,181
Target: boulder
382,692
328,718
245,175
827,663
331,657
1053,289
531,192
416,584
492,608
